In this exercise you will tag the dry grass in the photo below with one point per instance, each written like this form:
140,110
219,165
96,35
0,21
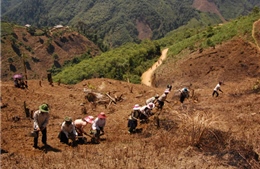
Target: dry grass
207,132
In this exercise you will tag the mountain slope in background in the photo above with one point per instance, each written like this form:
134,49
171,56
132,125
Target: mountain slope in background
40,52
116,22
206,132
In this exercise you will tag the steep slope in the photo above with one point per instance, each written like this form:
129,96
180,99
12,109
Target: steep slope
206,6
230,62
112,22
116,22
205,132
40,52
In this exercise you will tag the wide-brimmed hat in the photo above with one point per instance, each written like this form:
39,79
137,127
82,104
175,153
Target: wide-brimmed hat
151,105
44,108
166,91
89,119
68,119
102,115
136,107
156,96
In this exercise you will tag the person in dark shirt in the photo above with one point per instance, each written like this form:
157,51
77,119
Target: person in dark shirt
132,119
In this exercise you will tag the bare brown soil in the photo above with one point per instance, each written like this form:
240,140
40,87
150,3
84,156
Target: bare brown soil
63,44
144,31
206,132
206,6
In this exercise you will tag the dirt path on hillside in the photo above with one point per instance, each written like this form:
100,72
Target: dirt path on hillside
146,76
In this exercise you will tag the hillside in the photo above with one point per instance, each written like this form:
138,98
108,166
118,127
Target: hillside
40,52
113,23
207,132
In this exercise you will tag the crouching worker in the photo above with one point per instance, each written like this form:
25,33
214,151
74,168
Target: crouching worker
132,119
68,131
16,83
80,124
146,112
98,127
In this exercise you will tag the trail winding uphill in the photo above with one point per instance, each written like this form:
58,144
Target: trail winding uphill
146,76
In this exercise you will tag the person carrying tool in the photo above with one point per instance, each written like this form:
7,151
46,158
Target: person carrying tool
98,126
162,99
68,131
184,94
169,87
80,124
132,119
40,122
216,89
146,112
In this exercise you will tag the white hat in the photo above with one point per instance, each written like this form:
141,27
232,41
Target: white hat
166,91
136,107
151,105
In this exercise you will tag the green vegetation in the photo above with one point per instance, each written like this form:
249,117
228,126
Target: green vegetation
6,29
107,23
233,9
125,63
192,38
129,61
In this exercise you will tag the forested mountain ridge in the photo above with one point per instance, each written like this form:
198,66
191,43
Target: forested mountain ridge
114,22
129,61
69,55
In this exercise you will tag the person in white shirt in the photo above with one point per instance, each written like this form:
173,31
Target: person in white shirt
98,126
162,99
152,99
80,124
68,131
40,121
146,112
216,89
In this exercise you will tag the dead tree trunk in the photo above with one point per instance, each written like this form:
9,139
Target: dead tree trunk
26,110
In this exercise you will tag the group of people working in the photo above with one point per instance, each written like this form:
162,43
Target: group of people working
143,113
74,130
70,130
